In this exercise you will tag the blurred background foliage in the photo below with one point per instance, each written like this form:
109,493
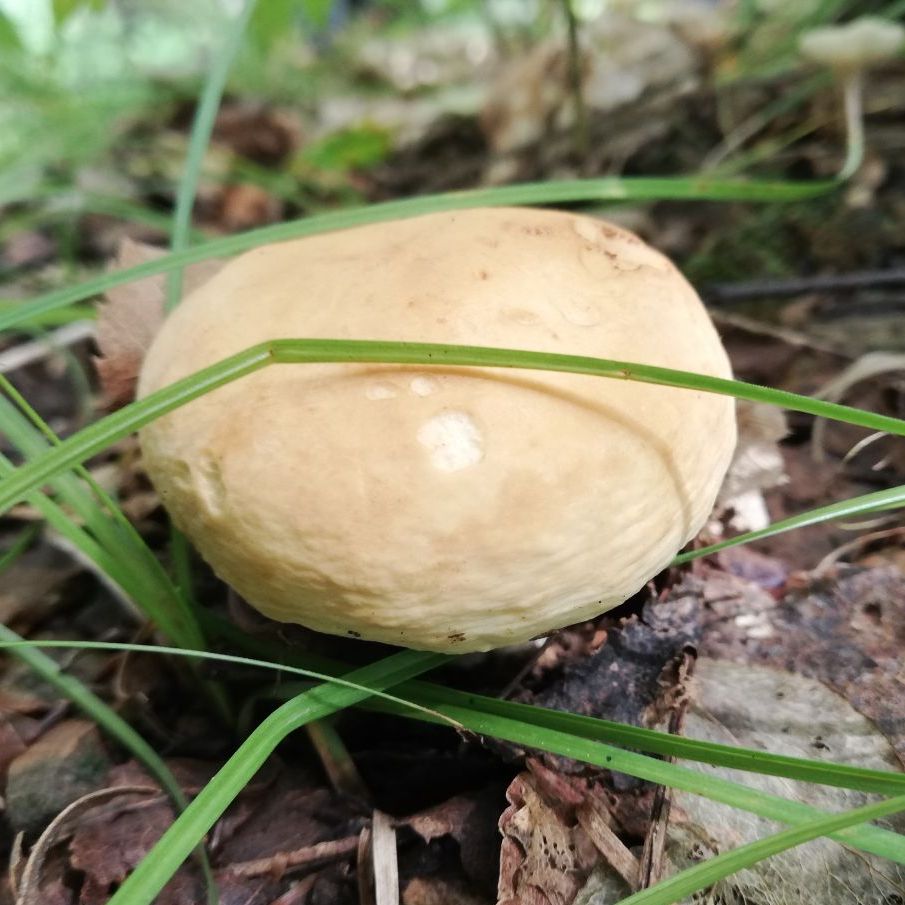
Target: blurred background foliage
96,97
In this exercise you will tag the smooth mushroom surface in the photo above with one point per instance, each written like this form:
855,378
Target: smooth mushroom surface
450,509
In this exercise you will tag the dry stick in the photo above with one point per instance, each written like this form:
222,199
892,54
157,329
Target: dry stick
594,819
384,857
830,282
310,856
651,868
37,349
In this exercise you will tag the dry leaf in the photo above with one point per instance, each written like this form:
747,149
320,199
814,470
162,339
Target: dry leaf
130,317
759,707
546,856
757,465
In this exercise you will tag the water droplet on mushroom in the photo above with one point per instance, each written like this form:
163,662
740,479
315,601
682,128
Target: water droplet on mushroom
453,440
424,386
380,390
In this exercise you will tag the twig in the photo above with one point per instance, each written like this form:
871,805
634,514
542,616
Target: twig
833,557
832,282
385,859
651,867
337,762
29,352
309,856
594,820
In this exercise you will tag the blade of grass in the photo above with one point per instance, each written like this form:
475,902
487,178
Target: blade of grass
327,677
54,318
135,568
879,842
591,728
189,829
111,541
894,498
556,192
80,539
25,539
111,723
93,439
426,696
564,743
202,128
675,889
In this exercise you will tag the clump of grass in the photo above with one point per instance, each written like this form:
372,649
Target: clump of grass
95,524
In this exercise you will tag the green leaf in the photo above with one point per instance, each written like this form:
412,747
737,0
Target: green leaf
63,9
9,35
317,12
357,147
271,20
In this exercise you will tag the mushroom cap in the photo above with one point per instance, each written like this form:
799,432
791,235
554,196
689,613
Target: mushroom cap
443,508
854,45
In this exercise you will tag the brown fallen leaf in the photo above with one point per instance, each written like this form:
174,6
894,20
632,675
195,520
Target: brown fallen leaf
470,819
245,206
33,585
757,465
559,839
130,317
438,891
264,134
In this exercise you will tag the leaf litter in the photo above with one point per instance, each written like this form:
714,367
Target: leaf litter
491,823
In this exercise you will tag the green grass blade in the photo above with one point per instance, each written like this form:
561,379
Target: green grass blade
202,128
161,863
594,729
893,498
116,547
93,439
689,881
25,539
54,318
111,723
556,192
426,697
54,515
434,707
871,839
327,677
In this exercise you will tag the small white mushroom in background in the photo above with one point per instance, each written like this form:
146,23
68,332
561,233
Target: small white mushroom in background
848,50
443,508
856,45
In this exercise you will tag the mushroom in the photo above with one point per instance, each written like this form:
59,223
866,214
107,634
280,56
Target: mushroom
855,45
848,50
443,508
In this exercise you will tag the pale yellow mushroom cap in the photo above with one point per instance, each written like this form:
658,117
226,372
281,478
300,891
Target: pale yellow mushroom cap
448,509
854,45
